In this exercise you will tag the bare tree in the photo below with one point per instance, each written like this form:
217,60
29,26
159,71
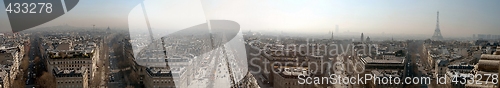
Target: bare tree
46,80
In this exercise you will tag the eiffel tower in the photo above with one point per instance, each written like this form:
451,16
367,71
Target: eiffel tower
437,33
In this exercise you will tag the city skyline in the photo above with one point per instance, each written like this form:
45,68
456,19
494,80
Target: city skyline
250,44
458,18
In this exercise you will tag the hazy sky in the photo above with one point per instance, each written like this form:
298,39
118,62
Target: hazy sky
457,17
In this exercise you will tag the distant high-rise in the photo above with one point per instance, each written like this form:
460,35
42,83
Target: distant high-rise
362,37
332,35
487,36
437,32
336,28
108,29
368,39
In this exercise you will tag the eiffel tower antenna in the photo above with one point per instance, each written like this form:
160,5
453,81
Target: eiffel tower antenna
437,32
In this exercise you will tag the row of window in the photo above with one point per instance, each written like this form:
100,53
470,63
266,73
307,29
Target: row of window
69,86
71,62
293,83
67,82
163,81
73,67
163,86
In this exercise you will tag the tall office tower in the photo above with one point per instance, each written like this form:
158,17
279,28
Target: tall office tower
336,28
368,39
362,37
332,35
